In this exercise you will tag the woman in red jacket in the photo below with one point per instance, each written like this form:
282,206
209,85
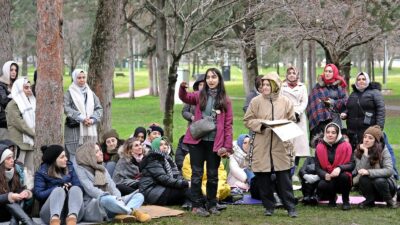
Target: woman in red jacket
210,101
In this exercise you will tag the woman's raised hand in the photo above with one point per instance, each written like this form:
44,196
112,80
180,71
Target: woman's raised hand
184,84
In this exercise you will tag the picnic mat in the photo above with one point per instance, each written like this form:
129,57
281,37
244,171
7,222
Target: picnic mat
354,200
158,211
247,200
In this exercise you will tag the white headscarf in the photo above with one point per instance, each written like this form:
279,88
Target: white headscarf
367,81
26,105
78,97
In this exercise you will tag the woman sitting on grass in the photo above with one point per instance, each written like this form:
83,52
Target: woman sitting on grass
375,169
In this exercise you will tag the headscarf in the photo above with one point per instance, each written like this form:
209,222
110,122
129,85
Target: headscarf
339,135
86,157
240,140
139,130
155,148
336,76
290,83
275,83
26,105
84,102
5,77
367,81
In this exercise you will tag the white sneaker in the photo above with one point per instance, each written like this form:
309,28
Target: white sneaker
295,178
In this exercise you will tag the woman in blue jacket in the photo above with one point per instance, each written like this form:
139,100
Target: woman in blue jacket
55,183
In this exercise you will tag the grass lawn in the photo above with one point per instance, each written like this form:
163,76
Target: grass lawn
128,114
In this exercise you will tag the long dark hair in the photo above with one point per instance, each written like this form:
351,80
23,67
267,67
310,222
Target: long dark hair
375,152
55,171
220,99
15,182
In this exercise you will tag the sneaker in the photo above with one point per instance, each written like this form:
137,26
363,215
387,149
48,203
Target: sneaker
123,218
187,205
295,178
346,206
141,216
71,220
200,211
221,206
366,204
332,202
269,212
391,204
214,211
292,213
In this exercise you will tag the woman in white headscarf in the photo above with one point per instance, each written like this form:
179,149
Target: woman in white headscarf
20,114
83,111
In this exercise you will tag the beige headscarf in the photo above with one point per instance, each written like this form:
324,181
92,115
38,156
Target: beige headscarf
86,157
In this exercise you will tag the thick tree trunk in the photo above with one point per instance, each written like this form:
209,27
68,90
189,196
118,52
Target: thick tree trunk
245,76
6,44
131,65
161,54
150,73
311,65
24,70
194,63
49,89
102,58
170,100
300,62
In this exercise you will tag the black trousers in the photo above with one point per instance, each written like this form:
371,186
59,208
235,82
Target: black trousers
376,188
340,184
308,190
173,196
200,153
283,185
125,189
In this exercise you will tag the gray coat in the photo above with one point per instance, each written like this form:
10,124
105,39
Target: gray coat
94,212
126,172
71,135
384,169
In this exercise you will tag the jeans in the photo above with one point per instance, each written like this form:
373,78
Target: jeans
63,204
110,166
125,205
250,175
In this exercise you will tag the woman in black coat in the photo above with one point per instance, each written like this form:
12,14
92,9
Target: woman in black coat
365,108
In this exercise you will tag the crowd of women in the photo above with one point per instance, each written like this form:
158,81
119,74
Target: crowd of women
86,181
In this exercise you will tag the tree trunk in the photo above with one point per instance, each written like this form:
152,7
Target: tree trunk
24,70
150,73
49,89
131,64
6,41
161,54
155,76
246,86
300,63
170,100
194,64
311,65
102,58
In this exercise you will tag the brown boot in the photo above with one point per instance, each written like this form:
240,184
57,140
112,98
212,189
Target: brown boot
55,221
141,216
71,220
122,218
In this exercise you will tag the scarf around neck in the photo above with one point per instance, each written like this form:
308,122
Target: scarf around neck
9,174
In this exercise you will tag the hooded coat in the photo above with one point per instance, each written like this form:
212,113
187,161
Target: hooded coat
126,171
5,91
370,100
269,152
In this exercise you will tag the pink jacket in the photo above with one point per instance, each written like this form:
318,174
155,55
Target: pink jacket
223,137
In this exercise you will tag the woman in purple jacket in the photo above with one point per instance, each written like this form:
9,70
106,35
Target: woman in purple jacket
210,101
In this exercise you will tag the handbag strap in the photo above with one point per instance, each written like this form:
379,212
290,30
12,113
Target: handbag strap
253,135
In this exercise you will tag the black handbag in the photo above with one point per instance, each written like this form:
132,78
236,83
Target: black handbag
71,123
202,127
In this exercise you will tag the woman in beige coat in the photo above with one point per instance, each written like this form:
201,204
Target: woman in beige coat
270,155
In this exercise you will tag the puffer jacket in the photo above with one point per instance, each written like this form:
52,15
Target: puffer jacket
155,179
371,101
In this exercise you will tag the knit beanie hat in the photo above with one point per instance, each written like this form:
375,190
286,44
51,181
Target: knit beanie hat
375,131
109,134
51,153
4,153
155,127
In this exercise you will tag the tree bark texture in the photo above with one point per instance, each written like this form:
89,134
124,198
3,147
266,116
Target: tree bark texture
49,89
170,100
6,51
300,63
311,65
131,65
161,54
103,52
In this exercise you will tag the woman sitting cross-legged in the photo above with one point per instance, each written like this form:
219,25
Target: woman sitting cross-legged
161,182
375,169
103,201
58,188
126,173
13,192
333,163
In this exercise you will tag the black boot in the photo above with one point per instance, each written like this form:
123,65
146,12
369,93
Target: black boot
19,214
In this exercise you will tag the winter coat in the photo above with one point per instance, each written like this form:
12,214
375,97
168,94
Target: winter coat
44,184
71,135
4,100
317,111
269,151
371,101
299,97
181,151
224,120
17,126
127,172
237,163
155,179
94,212
223,189
308,167
382,170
